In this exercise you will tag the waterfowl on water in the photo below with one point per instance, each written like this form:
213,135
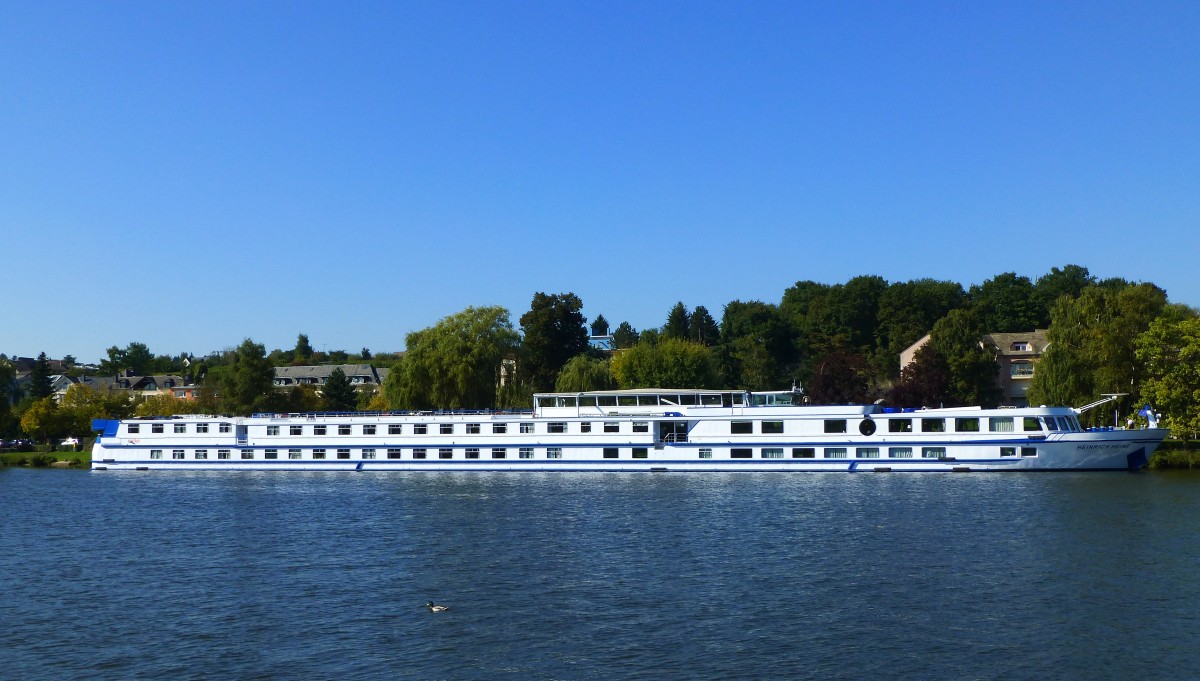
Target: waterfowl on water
436,608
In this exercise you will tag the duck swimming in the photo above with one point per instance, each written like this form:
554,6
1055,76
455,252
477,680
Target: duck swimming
436,608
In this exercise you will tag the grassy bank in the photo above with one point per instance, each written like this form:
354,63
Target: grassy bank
1176,454
42,456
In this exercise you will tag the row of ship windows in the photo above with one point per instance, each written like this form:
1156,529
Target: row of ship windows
608,453
134,428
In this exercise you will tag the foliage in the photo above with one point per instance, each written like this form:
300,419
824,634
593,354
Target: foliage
81,403
1007,303
600,326
583,373
670,363
923,383
908,311
1170,352
677,322
702,328
1071,280
39,382
300,399
972,366
303,353
338,394
625,336
839,378
167,404
247,386
554,333
44,421
756,348
454,364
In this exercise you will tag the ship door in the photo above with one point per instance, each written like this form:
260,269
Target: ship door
670,432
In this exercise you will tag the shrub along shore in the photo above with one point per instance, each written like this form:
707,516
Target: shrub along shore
1172,455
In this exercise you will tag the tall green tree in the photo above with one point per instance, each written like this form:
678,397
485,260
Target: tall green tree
44,421
583,373
454,364
555,332
39,380
841,377
757,350
670,363
1007,303
1170,352
925,382
248,385
1070,280
702,328
972,365
908,311
338,394
303,353
9,424
677,322
625,336
599,326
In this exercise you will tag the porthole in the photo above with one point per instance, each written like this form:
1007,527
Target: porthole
866,427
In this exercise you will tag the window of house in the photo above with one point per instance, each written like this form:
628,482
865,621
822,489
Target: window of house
272,430
706,452
395,429
835,453
472,429
640,452
296,430
610,452
554,452
1021,346
741,453
771,453
772,427
804,453
1020,369
499,428
525,452
835,426
933,425
446,428
741,427
344,429
201,454
499,452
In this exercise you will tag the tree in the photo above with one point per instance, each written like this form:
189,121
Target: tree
600,326
625,336
167,404
8,384
670,363
338,394
248,385
1170,351
1007,303
1071,280
44,421
840,378
454,364
304,351
365,355
702,328
756,348
908,311
39,380
925,382
583,373
81,403
972,366
135,357
677,322
554,333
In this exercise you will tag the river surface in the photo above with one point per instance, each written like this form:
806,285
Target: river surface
287,575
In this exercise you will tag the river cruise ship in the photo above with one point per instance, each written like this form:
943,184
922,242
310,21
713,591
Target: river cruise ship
632,430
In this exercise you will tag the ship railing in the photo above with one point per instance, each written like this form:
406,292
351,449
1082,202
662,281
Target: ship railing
312,415
675,437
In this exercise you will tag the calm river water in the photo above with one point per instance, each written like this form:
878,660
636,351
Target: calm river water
242,575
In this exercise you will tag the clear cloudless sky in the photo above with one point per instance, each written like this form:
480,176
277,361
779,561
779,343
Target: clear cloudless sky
190,174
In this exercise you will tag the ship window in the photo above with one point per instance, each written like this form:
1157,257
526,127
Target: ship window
419,453
772,427
933,425
201,453
899,425
900,452
566,401
445,453
134,428
648,400
1030,424
741,453
585,427
318,430
155,453
293,453
525,452
772,453
271,454
296,430
472,452
176,453
866,453
1029,451
368,453
933,452
395,429
627,400
420,429
587,400
706,452
688,401
526,427
446,429
545,401
710,400
201,427
556,427
641,427
1000,424
180,427
804,453
835,426
344,429
393,453
968,425
606,400
473,429
741,427
836,453
156,428
368,430
222,453
554,452
1008,451
343,453
642,452
1051,423
224,428
499,452
610,452
247,453
318,453
499,427
612,427
272,430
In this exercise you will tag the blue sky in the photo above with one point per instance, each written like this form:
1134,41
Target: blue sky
187,175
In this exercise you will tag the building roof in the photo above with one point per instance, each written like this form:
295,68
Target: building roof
1019,344
317,375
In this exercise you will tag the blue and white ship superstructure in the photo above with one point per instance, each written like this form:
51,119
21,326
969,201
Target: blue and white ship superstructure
632,430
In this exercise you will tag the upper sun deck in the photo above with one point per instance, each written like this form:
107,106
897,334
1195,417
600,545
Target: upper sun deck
648,401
